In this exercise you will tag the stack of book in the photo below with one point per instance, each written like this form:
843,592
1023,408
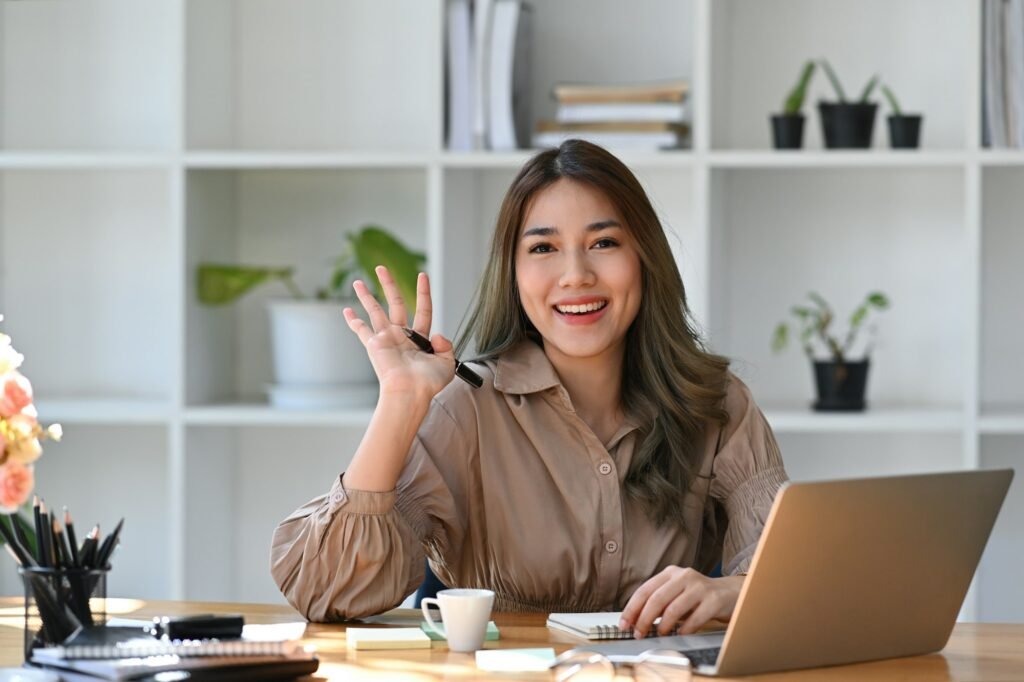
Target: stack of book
627,116
488,68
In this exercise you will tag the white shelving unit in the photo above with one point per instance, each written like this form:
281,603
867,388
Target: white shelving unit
139,139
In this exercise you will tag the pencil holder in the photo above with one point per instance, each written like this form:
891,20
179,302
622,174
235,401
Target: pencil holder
58,601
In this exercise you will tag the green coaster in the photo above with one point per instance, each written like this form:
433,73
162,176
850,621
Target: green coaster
492,631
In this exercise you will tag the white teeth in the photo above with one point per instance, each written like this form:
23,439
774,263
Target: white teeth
577,309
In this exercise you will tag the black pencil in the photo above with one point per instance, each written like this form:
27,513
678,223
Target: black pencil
45,537
69,528
108,546
39,530
13,545
89,547
63,555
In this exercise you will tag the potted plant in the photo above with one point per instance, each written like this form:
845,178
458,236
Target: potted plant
840,382
847,124
904,129
318,361
788,127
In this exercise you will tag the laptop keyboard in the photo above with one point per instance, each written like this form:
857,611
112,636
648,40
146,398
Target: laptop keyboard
703,656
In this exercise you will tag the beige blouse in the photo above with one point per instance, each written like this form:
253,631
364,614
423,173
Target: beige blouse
506,488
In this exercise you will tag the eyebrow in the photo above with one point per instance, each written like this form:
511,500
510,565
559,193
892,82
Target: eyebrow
546,231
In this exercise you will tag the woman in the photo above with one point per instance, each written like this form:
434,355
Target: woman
607,463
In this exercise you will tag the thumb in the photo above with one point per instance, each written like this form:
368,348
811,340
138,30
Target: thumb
441,344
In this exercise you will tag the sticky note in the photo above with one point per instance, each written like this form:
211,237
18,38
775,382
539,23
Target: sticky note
386,638
515,660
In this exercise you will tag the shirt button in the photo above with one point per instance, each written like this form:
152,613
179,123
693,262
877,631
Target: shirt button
605,468
336,498
611,546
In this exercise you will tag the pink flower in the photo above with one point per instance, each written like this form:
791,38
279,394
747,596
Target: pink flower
16,483
16,395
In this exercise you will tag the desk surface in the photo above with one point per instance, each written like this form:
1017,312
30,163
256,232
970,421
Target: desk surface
976,652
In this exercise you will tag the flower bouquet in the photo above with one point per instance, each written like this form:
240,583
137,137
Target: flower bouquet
20,433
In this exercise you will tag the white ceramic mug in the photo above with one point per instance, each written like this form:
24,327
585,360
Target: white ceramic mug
465,614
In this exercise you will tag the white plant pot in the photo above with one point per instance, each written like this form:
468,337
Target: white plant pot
318,361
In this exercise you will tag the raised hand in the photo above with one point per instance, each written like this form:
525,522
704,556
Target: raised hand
401,367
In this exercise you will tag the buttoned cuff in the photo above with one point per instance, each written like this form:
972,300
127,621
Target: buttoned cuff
368,502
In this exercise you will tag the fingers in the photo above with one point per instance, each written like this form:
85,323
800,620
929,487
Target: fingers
655,606
679,608
441,344
700,615
378,318
635,605
424,306
361,329
396,304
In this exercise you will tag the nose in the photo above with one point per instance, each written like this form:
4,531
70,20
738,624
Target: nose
578,271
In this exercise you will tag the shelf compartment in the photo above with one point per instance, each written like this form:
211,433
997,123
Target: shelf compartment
87,280
102,473
278,218
96,75
1000,599
777,234
916,46
242,482
877,419
311,90
1002,280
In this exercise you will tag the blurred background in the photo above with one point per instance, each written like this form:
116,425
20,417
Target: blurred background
141,140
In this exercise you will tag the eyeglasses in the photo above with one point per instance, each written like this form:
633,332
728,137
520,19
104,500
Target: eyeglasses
654,665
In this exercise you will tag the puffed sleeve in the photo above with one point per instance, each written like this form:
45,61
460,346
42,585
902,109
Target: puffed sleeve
353,553
748,474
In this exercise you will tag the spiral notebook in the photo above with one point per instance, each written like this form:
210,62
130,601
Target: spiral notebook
277,639
601,625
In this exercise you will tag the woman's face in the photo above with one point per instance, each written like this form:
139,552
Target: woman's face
578,271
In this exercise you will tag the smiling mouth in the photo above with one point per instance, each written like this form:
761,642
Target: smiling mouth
581,309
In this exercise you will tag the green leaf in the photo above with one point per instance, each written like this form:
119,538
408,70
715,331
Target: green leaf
819,300
833,79
223,284
802,312
795,99
878,300
374,246
780,338
858,316
892,100
869,88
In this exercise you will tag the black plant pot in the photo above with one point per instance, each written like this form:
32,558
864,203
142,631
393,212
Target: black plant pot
847,125
841,386
905,131
788,131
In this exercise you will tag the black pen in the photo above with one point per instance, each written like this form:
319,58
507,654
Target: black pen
461,370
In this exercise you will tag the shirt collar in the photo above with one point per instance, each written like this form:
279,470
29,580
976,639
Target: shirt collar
524,369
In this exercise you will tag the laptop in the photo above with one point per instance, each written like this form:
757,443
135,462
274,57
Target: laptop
849,571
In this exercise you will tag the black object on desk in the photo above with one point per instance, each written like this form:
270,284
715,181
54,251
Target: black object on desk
205,626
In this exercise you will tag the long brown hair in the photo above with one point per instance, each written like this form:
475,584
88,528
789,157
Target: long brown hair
671,386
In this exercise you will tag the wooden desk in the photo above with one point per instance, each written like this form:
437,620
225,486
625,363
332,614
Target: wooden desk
976,652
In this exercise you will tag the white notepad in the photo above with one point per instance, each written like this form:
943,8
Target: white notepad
599,625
